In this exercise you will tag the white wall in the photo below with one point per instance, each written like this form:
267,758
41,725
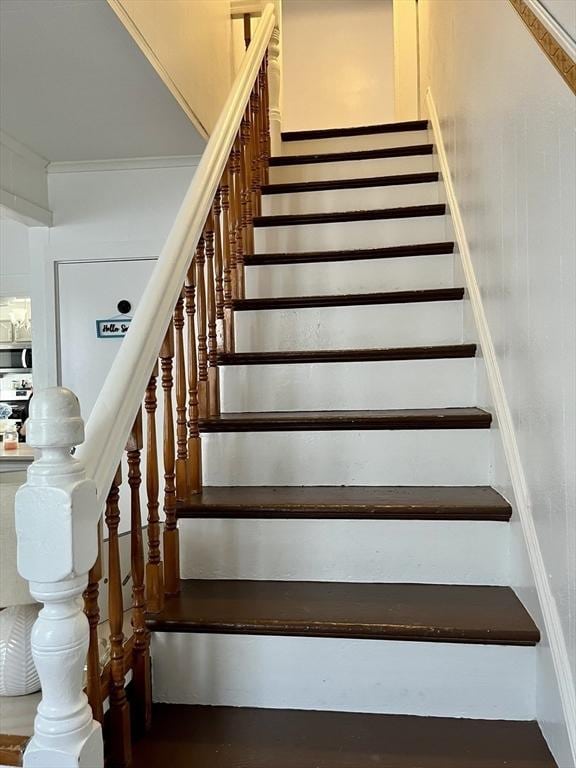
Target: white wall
14,257
508,122
23,187
189,44
338,63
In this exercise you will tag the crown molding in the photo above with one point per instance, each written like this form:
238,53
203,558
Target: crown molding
22,150
124,164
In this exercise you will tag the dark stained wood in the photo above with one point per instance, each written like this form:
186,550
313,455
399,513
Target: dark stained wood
349,503
348,355
170,538
370,181
351,299
182,491
12,749
141,705
231,737
335,217
291,421
194,446
92,611
154,565
391,252
360,130
118,718
360,154
415,612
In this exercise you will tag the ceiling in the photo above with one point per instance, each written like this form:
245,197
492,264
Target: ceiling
75,86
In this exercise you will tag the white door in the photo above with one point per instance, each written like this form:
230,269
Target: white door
89,291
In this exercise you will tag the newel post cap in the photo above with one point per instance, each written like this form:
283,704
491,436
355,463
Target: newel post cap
55,420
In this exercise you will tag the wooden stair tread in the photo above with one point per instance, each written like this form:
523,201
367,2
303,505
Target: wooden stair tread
390,252
290,421
396,179
347,355
358,130
12,749
341,502
419,612
358,154
234,737
350,299
335,217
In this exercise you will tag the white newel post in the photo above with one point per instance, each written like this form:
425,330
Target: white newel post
274,86
56,523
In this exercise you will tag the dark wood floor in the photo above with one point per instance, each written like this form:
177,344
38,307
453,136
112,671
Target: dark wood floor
221,737
431,612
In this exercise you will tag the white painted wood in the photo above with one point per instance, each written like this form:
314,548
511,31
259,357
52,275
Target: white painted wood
432,679
350,234
275,90
334,386
414,457
417,551
364,198
507,432
347,169
392,325
121,395
351,143
56,524
23,187
400,274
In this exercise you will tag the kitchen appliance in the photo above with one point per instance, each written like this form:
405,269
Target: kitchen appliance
15,358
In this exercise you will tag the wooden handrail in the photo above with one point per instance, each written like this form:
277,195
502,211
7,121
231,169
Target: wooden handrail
120,398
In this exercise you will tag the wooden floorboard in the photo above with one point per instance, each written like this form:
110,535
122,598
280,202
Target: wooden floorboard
415,612
305,421
225,737
340,502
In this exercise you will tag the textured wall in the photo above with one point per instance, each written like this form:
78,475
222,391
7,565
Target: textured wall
509,122
338,63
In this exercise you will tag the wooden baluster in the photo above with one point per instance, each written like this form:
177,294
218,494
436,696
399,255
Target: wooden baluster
141,680
213,383
92,611
119,736
236,252
202,323
219,264
255,148
264,121
154,567
246,204
228,244
171,545
247,30
194,444
182,492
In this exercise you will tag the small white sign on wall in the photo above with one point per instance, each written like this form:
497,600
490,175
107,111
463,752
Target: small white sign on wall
113,329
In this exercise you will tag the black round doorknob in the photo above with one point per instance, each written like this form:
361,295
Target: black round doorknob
124,306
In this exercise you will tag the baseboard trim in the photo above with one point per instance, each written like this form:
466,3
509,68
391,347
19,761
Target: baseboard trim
552,623
123,164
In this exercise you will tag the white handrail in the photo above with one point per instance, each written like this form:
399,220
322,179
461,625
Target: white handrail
113,415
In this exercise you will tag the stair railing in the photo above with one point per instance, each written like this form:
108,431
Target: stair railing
170,355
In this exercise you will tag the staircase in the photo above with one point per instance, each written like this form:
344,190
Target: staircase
344,598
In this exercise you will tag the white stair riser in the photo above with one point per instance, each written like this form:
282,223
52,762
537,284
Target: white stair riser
351,169
391,325
416,678
352,143
364,198
398,274
350,234
402,457
349,386
416,551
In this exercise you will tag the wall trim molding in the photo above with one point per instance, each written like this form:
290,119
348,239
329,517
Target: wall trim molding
21,149
124,164
24,211
556,43
552,623
161,70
